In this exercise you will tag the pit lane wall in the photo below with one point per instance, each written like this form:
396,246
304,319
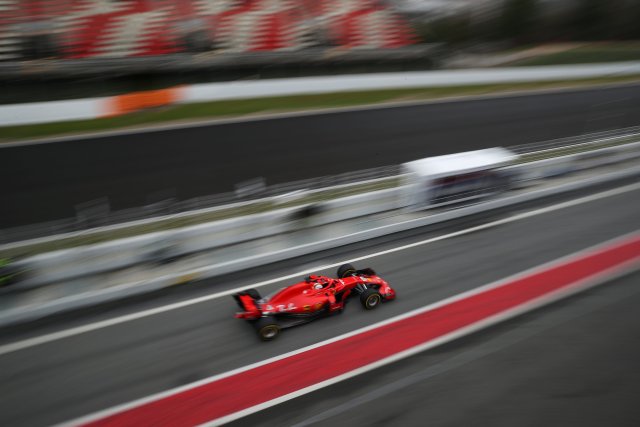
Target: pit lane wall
93,108
167,245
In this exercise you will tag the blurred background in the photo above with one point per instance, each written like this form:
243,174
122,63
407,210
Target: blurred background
125,45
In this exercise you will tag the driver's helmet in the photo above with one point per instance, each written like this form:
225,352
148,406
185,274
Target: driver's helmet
320,282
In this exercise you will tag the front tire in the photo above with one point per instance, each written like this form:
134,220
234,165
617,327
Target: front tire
345,270
370,299
268,329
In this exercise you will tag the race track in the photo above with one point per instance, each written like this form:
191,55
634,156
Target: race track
69,377
44,182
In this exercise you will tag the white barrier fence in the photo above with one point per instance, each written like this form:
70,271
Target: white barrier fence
43,112
318,85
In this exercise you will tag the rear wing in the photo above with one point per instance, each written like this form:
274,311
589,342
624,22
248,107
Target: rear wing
249,306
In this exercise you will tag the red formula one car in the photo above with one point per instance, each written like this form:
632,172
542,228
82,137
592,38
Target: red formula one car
315,297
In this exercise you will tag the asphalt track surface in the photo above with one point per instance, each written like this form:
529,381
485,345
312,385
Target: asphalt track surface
45,182
66,378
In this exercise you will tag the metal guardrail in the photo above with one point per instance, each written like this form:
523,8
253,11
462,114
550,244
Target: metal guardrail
97,213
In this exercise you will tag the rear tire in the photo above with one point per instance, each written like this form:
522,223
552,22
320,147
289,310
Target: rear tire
345,270
370,299
268,329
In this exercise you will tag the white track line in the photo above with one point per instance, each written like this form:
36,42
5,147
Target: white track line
31,342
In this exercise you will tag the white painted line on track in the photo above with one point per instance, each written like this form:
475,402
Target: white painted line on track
32,342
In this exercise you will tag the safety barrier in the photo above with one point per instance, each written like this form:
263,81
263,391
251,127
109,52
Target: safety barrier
160,246
93,108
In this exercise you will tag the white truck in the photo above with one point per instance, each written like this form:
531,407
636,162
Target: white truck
455,178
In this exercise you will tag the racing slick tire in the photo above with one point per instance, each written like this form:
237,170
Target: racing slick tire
370,299
345,270
268,329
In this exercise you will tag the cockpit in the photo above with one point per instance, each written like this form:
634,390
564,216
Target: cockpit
319,282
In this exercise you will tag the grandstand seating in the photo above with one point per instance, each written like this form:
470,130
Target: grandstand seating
126,28
9,40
